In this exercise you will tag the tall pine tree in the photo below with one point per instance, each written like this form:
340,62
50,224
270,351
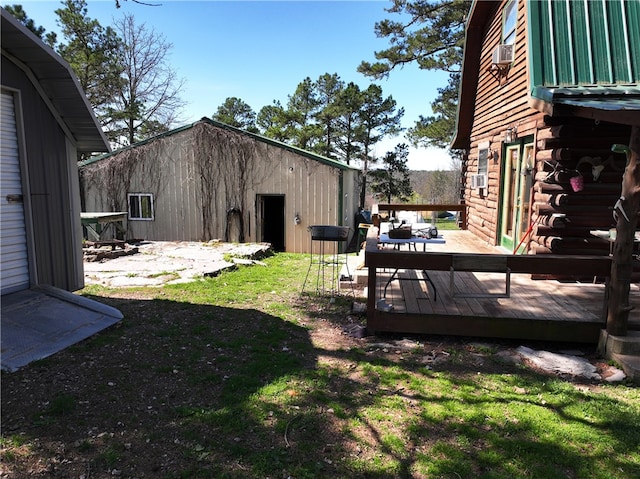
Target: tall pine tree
429,33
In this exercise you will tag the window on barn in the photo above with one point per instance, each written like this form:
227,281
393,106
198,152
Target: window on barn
140,206
509,25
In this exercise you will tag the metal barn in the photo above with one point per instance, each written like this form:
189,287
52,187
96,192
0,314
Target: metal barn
208,181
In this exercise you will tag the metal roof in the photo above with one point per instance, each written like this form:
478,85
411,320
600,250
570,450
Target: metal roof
56,80
584,43
584,60
615,104
313,156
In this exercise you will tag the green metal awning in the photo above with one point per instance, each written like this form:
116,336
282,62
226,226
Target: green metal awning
585,59
584,43
617,104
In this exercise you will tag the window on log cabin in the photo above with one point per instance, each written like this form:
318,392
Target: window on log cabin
509,23
483,158
140,206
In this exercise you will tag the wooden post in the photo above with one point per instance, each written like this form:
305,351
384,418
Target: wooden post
622,266
372,275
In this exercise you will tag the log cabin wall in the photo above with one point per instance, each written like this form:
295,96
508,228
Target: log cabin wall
501,102
561,218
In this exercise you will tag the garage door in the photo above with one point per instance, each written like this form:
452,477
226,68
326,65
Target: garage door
13,246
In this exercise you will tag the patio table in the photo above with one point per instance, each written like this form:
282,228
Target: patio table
397,243
611,238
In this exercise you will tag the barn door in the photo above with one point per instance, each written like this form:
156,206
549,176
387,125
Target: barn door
271,219
516,192
14,260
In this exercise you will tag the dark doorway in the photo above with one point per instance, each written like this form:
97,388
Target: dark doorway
271,209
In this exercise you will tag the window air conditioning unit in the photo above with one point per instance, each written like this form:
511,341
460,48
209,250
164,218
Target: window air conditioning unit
502,55
478,181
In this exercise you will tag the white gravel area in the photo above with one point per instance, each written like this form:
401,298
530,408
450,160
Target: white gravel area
155,263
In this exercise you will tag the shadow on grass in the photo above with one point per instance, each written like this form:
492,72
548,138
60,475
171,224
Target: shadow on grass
174,390
487,418
181,390
473,415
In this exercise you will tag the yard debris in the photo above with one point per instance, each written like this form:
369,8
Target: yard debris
105,254
219,270
248,262
286,430
434,357
357,331
359,308
614,374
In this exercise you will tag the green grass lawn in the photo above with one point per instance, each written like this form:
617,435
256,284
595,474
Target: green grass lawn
444,224
239,376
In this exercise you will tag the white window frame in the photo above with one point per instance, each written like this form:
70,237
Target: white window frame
510,13
484,152
138,197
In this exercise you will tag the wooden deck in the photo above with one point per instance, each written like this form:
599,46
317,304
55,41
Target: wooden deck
535,309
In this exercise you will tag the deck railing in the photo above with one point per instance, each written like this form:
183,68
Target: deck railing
380,259
392,207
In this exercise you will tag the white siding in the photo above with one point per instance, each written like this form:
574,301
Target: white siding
14,265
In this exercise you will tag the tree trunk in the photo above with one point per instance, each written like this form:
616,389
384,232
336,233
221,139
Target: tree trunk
363,190
622,267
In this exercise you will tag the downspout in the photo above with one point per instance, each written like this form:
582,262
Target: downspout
340,203
340,198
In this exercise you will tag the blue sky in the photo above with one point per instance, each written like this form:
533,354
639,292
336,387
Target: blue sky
259,51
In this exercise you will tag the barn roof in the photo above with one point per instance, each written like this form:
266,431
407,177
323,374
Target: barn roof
322,159
584,60
56,81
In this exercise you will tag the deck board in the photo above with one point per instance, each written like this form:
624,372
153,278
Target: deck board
550,308
529,299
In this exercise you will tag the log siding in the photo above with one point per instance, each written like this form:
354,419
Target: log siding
561,218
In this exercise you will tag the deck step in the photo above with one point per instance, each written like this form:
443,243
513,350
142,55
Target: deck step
625,350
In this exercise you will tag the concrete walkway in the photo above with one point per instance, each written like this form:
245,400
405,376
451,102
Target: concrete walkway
41,321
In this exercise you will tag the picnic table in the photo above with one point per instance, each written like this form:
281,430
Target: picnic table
104,227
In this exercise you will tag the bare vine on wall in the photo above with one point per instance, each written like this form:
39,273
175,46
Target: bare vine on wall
225,162
207,174
140,169
225,167
239,172
110,177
